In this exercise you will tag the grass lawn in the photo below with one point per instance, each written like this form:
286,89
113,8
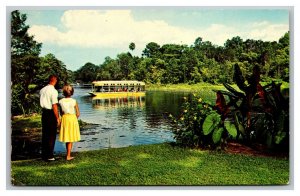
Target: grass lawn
32,125
185,87
157,164
28,124
198,88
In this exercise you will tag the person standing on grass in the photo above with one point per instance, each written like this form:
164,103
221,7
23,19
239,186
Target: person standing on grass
69,129
50,118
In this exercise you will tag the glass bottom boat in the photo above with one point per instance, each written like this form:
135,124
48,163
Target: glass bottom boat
110,89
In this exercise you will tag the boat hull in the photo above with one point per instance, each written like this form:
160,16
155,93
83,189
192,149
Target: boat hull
117,94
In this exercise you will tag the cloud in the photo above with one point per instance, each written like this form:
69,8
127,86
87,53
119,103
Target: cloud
88,28
218,33
117,28
267,31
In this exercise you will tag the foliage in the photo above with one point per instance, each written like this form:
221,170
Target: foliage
201,62
24,64
50,65
254,114
132,46
29,72
158,164
260,113
200,125
87,73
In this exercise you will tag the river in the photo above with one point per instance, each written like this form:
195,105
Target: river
122,122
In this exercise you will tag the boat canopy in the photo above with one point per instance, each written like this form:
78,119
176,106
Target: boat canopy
118,86
118,83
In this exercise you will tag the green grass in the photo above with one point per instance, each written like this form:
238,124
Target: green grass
32,125
197,87
158,164
185,87
21,123
203,89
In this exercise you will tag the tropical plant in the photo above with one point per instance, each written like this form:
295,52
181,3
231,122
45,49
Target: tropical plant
200,125
254,114
132,46
260,113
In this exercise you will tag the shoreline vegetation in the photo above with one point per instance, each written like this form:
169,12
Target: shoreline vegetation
156,164
184,87
196,87
31,124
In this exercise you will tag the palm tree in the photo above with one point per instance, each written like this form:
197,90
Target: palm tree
132,46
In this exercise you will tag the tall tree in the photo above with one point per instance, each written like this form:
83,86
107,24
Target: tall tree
87,73
234,48
152,50
109,70
281,63
50,65
24,51
24,64
132,46
124,61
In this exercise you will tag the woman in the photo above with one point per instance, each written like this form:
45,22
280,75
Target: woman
69,130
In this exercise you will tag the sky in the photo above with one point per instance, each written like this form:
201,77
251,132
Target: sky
79,36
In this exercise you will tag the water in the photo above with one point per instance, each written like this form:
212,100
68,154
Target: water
122,122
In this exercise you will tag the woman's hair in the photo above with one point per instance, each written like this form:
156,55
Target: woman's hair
68,90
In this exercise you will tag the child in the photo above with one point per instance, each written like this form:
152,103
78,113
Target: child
69,129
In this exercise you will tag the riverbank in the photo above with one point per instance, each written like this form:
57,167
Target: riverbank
197,87
32,125
26,136
158,164
185,87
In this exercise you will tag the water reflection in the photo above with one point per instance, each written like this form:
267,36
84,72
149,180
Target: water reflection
118,102
125,121
121,122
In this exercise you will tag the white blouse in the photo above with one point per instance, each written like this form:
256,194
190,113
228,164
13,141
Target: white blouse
68,105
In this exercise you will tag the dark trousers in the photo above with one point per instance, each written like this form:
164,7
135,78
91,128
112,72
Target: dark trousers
49,131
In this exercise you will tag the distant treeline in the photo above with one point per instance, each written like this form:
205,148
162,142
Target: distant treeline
166,64
200,62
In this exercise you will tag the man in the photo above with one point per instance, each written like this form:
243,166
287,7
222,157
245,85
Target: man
50,118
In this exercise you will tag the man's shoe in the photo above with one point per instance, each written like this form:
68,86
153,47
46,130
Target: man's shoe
51,159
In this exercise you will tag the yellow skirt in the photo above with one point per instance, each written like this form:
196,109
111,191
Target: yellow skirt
69,129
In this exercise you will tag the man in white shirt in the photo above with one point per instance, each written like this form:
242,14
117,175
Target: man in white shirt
50,118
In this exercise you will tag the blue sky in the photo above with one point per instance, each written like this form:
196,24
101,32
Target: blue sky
80,36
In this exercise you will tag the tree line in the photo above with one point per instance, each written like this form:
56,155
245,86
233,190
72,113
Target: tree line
166,64
200,62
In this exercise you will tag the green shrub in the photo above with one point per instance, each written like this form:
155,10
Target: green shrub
260,113
23,103
200,125
253,114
